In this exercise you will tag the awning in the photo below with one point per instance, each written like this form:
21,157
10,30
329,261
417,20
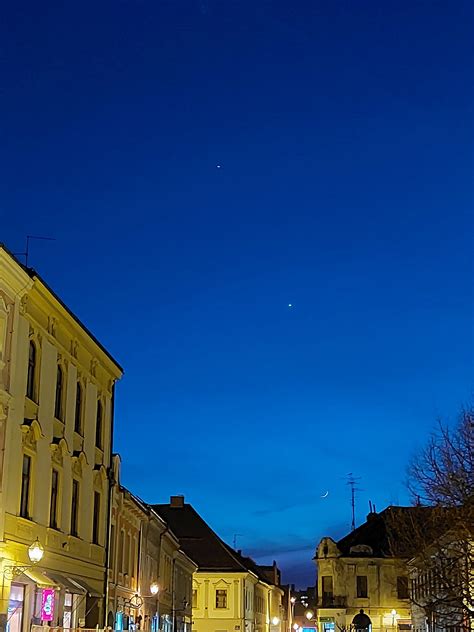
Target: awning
85,587
41,579
67,584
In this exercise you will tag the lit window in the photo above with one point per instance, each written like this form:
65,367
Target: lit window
221,598
195,598
30,382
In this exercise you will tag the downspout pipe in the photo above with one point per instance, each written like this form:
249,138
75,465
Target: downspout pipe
111,481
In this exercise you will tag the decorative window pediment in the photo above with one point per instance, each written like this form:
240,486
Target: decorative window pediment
31,433
59,450
221,582
78,461
100,476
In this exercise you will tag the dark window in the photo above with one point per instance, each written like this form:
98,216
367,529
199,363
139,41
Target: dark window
120,552
98,425
112,545
402,588
25,486
74,506
327,586
53,509
96,523
58,402
221,598
30,382
362,586
78,412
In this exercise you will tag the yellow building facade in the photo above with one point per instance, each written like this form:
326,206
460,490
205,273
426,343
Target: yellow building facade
231,593
56,409
360,573
234,602
150,577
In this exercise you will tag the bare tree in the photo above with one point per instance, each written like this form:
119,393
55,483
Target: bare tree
438,532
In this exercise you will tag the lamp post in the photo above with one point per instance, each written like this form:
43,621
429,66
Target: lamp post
394,614
292,612
155,589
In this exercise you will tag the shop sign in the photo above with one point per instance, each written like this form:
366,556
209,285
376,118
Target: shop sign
47,604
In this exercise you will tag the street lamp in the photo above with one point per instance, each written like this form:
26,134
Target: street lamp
155,589
275,621
35,554
394,614
309,614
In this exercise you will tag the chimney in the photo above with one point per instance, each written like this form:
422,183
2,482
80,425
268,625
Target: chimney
177,501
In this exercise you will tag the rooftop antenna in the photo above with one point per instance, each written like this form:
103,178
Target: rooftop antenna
352,482
27,249
236,535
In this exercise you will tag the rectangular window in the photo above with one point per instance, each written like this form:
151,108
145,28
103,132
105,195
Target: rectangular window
96,518
402,588
53,508
25,486
112,546
221,598
362,586
74,507
195,598
327,585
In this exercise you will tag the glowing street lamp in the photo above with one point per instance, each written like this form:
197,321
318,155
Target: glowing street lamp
35,552
309,614
154,588
275,621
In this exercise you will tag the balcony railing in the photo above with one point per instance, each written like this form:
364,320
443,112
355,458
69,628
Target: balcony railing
332,601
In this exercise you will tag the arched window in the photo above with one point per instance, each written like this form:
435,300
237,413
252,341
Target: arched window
78,412
58,403
98,425
30,382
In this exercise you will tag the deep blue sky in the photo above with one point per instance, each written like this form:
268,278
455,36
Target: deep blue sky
344,131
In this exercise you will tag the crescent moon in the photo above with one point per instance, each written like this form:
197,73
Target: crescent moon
325,495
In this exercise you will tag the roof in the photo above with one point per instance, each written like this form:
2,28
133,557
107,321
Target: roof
202,544
378,533
31,272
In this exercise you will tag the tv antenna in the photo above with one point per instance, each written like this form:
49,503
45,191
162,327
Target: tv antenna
27,249
352,482
236,535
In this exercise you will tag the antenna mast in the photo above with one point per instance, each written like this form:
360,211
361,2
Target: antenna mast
236,535
352,481
27,249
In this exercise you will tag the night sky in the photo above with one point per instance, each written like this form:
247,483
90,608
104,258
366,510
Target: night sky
204,164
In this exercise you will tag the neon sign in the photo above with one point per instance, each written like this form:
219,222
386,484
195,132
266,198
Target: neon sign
47,604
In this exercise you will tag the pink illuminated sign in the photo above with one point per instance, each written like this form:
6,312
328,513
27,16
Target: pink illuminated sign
47,604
